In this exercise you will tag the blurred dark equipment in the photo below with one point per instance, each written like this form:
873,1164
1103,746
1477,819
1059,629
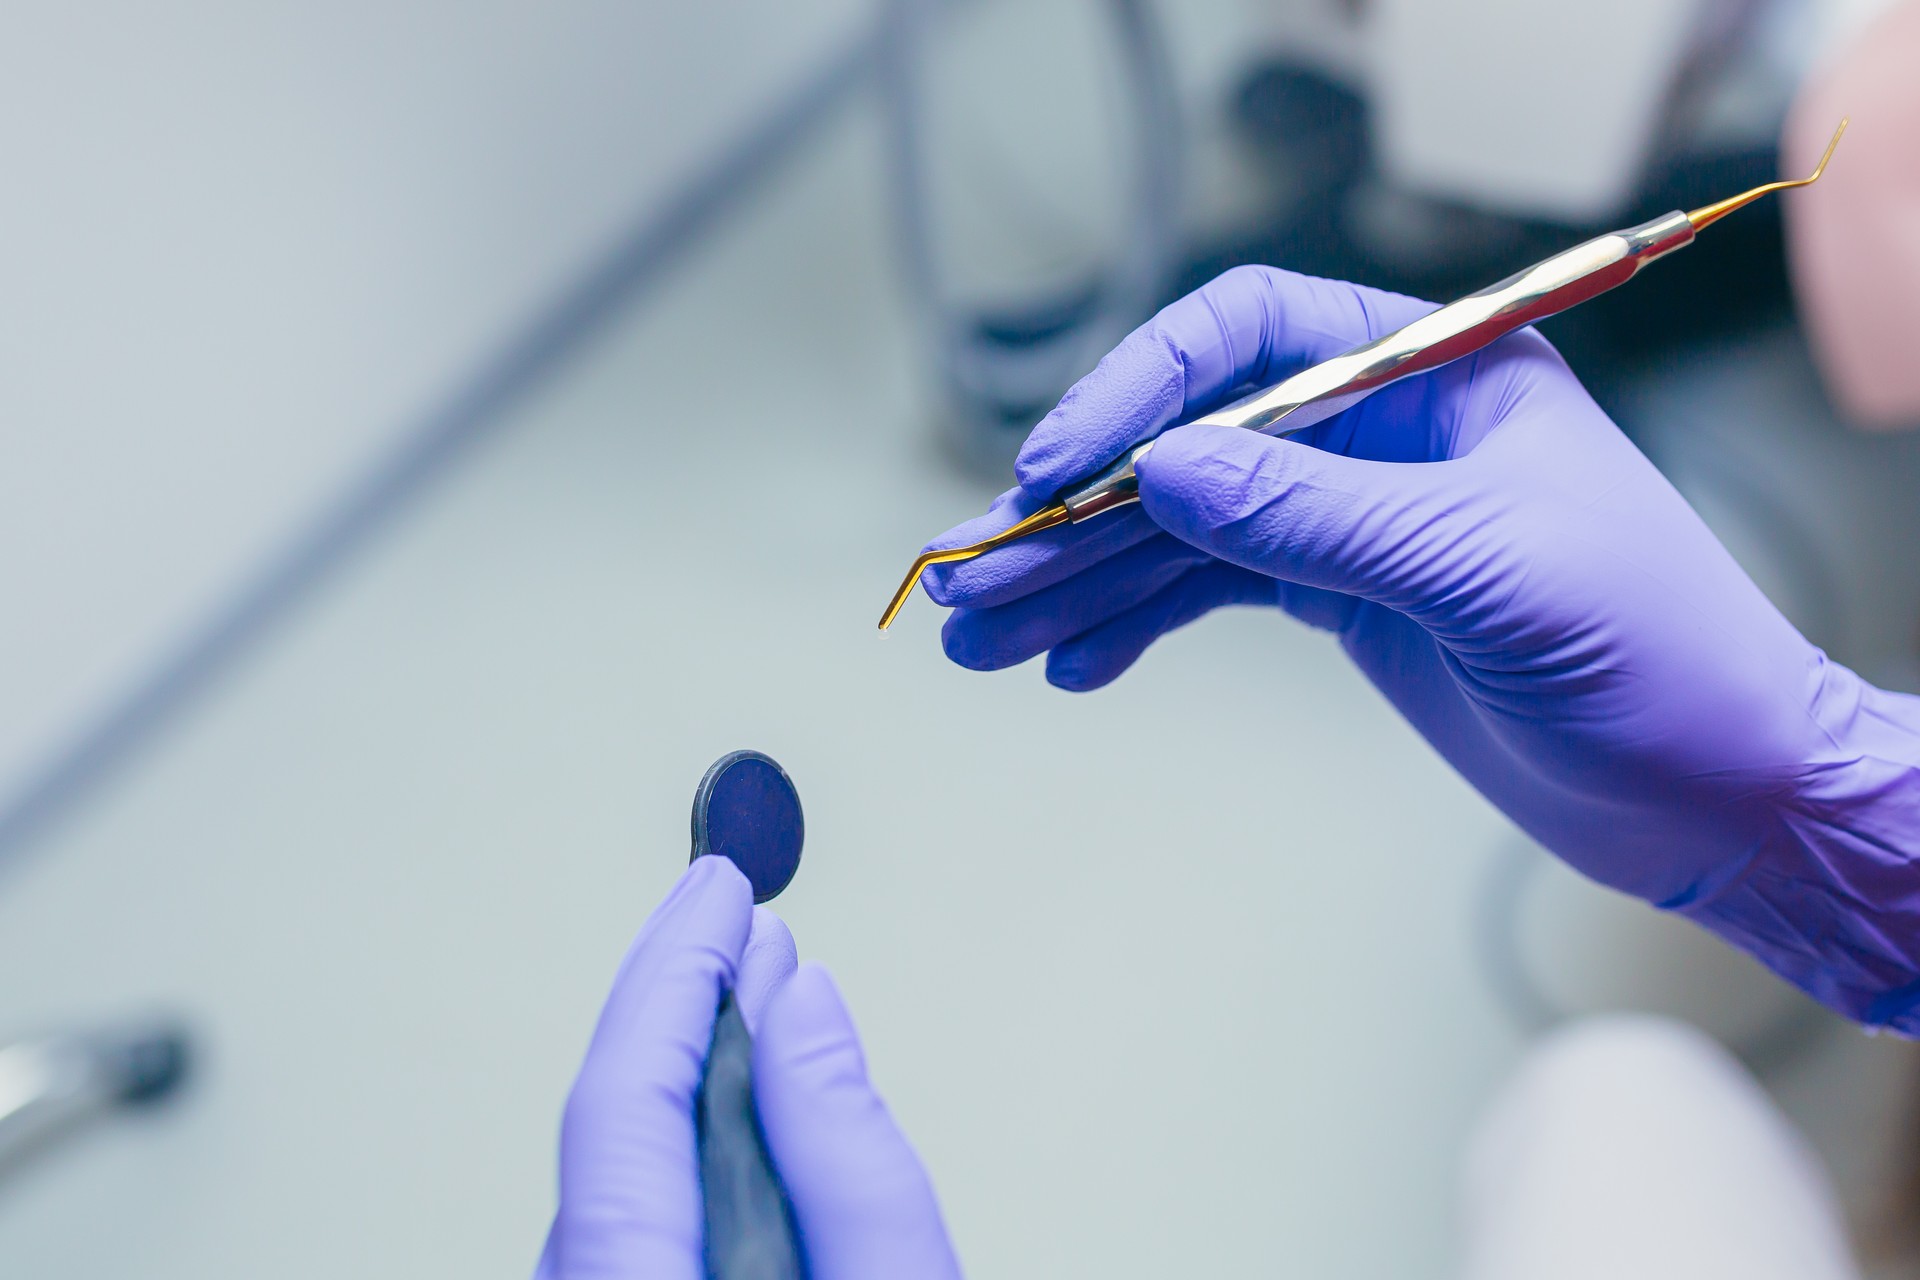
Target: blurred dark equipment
1341,220
746,810
53,1085
1001,368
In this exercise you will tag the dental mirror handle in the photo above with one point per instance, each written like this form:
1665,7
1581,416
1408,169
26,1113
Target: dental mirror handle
747,810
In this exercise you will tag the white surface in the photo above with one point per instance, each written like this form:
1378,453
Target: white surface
1173,979
247,246
1635,1146
1530,106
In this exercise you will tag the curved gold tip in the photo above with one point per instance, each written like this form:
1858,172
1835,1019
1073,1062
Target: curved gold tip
1045,518
1707,215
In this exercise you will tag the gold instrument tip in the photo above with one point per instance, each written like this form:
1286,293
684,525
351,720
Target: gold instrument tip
1045,518
1707,215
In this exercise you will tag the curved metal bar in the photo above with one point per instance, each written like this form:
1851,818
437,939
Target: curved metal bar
1047,517
1707,215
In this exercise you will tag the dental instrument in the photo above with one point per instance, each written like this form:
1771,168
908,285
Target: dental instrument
1458,329
747,810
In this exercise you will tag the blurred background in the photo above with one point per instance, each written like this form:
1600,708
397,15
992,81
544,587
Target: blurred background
434,432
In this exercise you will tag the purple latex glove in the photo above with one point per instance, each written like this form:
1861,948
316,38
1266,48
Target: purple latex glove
629,1178
1522,584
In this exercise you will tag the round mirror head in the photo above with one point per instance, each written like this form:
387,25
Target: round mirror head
748,811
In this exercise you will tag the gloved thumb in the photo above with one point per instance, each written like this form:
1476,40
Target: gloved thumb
766,963
863,1204
1388,532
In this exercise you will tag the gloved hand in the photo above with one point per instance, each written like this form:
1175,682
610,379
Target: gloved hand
1522,584
630,1203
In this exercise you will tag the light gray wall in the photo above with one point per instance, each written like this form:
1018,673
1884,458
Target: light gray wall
243,247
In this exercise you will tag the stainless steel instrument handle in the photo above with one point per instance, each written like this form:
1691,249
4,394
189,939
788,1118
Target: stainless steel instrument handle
1458,329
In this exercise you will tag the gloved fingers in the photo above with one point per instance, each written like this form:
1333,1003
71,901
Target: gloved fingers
1403,536
629,1179
768,961
1319,608
1098,656
1009,634
863,1204
1251,325
1034,562
548,1267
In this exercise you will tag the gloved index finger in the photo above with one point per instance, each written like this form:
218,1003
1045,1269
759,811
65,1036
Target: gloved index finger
1251,325
1030,564
629,1187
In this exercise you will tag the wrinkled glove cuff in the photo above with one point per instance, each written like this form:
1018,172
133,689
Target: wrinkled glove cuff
1830,898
